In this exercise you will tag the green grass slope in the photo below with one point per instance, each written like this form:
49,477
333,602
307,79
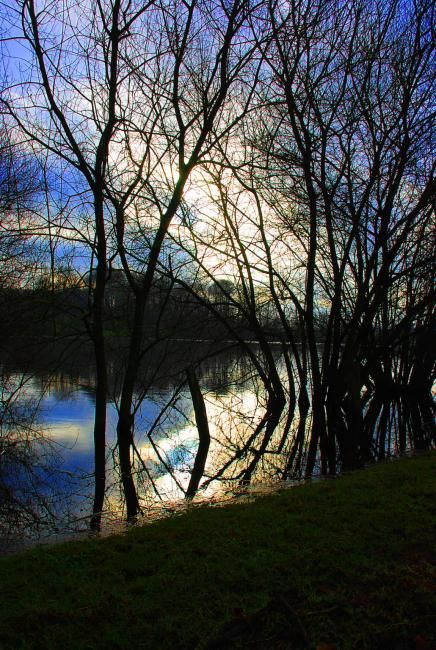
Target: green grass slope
345,563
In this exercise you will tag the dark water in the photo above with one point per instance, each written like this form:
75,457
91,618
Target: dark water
46,439
47,443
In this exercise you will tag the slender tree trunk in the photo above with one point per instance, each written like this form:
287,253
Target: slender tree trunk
98,338
100,396
293,464
125,416
203,434
99,432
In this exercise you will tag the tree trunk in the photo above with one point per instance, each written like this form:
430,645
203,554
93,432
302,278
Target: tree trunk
100,397
125,416
203,434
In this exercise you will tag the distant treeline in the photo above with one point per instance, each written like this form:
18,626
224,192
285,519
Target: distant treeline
174,312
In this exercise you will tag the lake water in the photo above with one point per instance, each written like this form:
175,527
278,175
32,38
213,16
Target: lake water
48,467
47,452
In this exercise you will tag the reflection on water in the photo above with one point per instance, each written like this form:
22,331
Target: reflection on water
61,409
47,454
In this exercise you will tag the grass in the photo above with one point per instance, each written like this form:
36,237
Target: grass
345,563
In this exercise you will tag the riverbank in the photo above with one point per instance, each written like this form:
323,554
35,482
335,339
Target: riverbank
344,563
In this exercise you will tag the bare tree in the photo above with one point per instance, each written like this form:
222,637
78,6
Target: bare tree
129,99
324,202
67,102
349,141
188,102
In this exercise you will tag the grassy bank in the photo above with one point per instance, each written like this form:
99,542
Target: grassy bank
346,563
